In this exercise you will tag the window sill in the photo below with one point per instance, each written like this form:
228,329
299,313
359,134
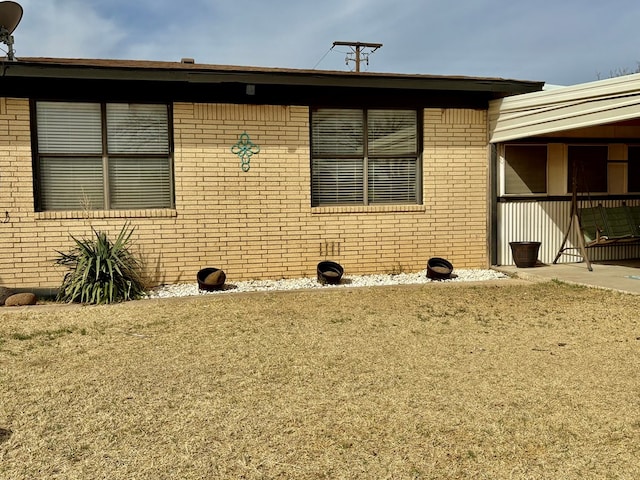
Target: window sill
81,214
368,209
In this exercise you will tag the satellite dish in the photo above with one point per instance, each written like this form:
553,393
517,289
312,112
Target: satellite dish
10,16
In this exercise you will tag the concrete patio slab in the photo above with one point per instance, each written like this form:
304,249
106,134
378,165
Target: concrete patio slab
619,275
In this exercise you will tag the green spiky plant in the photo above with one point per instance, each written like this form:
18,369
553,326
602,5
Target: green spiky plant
101,271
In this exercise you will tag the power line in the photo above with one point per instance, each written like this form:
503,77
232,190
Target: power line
322,58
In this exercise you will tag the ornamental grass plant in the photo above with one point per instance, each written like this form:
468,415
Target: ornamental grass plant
101,271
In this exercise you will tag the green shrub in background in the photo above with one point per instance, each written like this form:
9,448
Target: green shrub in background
101,271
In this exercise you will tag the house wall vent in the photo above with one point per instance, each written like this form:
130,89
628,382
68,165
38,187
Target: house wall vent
188,60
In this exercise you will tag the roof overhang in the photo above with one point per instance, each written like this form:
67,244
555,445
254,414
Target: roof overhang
565,108
187,75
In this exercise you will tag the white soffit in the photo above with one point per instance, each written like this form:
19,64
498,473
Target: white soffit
565,108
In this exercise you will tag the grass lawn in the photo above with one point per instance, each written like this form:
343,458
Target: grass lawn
436,381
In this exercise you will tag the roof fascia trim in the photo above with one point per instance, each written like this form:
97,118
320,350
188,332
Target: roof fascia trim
34,70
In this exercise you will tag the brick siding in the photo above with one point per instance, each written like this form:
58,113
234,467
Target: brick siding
257,224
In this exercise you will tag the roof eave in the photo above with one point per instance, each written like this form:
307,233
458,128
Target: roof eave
203,74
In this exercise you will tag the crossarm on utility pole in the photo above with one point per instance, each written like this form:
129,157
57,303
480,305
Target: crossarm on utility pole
357,48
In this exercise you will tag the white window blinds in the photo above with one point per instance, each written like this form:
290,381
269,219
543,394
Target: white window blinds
103,156
143,182
338,132
365,157
392,132
71,183
337,181
65,127
137,128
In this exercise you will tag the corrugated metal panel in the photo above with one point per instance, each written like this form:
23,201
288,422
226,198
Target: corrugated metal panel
547,222
565,108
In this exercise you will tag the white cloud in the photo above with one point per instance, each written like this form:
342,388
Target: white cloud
64,29
566,42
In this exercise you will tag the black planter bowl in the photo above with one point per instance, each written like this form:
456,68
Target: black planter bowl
439,268
211,278
329,272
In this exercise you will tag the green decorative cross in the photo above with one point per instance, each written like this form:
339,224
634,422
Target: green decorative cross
245,149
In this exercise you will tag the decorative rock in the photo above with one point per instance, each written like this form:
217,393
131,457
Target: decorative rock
189,289
4,294
216,278
20,299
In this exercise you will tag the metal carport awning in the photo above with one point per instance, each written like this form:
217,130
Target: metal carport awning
565,108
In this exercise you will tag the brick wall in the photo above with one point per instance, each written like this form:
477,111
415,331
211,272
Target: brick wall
258,223
456,184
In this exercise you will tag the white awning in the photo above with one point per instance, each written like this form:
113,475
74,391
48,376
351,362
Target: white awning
565,108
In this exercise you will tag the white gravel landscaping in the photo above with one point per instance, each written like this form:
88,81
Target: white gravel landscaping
189,289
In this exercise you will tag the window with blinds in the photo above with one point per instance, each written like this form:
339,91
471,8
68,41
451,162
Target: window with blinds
93,156
525,169
365,157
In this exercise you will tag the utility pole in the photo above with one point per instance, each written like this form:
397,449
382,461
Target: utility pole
356,48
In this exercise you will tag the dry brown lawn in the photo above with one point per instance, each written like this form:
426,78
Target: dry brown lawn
502,380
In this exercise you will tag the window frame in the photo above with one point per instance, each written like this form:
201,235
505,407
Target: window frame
505,164
633,168
368,158
105,156
584,187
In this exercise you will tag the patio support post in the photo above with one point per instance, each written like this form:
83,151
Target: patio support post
574,221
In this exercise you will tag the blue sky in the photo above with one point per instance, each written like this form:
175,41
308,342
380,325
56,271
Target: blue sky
561,42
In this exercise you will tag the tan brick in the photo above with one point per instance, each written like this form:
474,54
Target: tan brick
248,221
